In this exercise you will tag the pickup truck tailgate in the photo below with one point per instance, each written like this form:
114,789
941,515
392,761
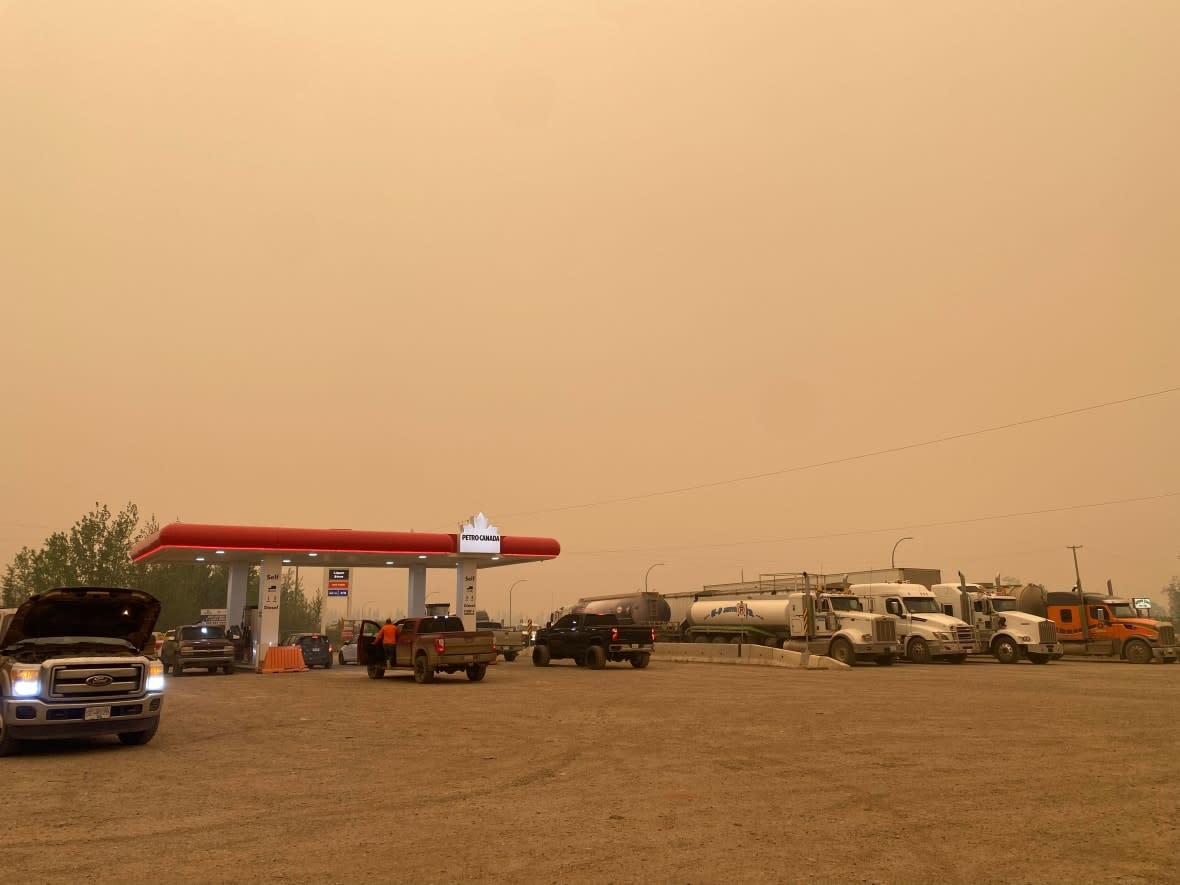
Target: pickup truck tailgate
462,647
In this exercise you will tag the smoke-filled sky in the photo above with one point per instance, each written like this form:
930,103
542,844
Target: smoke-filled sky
382,265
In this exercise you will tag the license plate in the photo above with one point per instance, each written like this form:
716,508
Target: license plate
468,658
98,713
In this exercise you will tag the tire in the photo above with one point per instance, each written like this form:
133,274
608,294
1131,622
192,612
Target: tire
8,744
841,650
340,658
1039,658
641,660
328,664
701,638
1137,652
885,660
138,738
580,661
476,672
423,673
376,672
1168,661
510,656
596,657
540,656
1006,650
720,640
229,669
177,669
918,651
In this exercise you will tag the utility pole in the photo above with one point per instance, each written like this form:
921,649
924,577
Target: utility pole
1082,596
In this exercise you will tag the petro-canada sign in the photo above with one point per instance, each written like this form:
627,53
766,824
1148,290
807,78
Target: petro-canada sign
479,536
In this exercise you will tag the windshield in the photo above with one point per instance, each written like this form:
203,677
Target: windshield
846,604
202,632
921,605
1124,610
1004,605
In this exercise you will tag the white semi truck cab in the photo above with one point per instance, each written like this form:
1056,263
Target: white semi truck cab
926,633
1001,629
843,629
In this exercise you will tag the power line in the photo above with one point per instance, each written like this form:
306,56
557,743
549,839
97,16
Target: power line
893,528
625,499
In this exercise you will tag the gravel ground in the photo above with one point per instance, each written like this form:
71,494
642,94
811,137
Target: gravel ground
681,773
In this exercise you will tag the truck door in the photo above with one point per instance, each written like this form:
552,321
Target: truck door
1100,626
894,607
364,642
405,641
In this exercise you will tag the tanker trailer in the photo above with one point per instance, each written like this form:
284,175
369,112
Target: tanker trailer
647,608
764,621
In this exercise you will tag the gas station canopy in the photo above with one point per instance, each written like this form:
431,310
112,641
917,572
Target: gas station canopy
211,544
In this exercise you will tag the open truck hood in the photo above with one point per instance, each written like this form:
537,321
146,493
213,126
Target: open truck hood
82,612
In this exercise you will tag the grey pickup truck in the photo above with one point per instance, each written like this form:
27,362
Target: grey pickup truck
427,646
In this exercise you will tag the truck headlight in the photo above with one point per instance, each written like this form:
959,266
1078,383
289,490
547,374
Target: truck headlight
943,636
26,682
866,637
1026,639
155,680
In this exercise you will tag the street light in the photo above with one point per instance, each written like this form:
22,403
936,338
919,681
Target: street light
648,572
892,564
514,583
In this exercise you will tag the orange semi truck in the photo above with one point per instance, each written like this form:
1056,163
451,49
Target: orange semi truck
1105,627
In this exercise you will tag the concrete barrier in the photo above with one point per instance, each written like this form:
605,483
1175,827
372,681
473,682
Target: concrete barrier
749,655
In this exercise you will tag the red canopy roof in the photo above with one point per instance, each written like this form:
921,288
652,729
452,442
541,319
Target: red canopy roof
194,542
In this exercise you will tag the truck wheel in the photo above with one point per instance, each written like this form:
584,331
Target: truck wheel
541,656
719,639
135,738
476,672
841,650
885,660
918,651
8,744
641,660
376,672
423,673
1137,652
580,661
596,658
1006,650
700,637
510,656
1038,657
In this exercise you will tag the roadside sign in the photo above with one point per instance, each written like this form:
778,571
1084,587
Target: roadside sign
1141,602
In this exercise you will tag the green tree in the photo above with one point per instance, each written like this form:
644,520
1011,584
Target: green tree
1173,591
297,613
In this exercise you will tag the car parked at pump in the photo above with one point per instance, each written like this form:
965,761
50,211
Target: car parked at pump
317,651
346,654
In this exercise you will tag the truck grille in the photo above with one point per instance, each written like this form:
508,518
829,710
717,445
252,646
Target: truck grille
884,630
965,635
84,681
1048,634
1167,634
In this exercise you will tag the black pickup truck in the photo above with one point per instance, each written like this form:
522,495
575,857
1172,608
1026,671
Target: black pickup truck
592,640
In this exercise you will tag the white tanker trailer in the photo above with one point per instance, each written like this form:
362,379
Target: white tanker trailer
833,624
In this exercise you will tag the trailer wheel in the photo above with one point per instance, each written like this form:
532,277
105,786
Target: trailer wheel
1137,652
841,650
918,651
1006,650
641,660
540,656
700,637
1039,657
423,672
720,640
885,660
596,658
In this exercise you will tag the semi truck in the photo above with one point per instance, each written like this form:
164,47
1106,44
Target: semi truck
925,632
831,624
1001,629
1105,626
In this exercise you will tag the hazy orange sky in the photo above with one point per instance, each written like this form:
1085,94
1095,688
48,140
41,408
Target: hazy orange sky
381,265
